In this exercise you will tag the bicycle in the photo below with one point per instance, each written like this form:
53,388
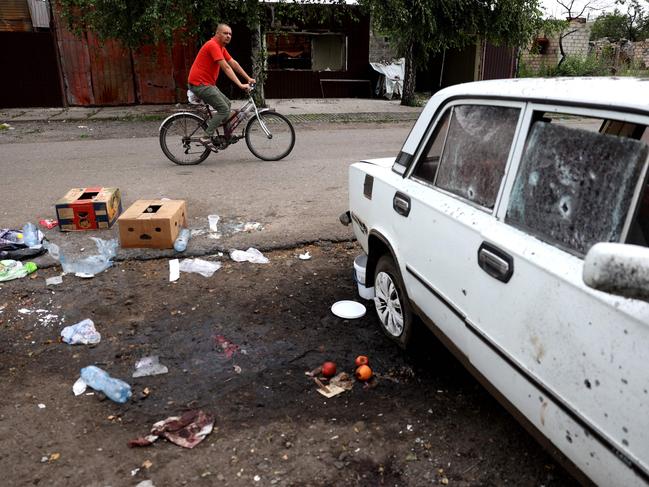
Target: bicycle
269,135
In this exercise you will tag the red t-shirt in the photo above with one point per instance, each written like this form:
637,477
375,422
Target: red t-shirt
206,67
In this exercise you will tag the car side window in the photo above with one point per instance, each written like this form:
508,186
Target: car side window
429,161
476,150
574,187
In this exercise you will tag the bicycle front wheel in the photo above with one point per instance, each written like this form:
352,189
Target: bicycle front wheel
179,139
272,138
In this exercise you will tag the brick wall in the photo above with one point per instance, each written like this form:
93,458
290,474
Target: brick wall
380,49
641,52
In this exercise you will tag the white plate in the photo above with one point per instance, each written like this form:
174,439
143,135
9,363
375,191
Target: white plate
348,310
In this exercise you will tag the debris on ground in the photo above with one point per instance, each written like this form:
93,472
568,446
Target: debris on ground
305,256
203,267
213,221
48,223
115,389
83,333
337,385
88,266
227,347
174,270
187,430
348,310
79,387
251,255
149,366
12,269
54,281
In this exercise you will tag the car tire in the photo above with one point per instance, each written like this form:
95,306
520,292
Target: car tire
391,302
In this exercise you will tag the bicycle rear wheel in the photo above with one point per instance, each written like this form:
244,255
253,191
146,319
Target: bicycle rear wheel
275,145
179,136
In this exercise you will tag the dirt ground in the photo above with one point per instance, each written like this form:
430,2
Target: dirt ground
425,422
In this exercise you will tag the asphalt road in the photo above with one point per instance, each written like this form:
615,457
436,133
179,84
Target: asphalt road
296,200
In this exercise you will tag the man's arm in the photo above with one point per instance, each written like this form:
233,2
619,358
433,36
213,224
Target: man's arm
229,72
238,69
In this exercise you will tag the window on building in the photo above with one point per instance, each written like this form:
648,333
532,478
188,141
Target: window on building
306,51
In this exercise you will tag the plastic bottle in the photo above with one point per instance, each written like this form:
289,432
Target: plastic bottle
180,245
30,235
115,389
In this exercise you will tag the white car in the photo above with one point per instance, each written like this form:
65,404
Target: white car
514,222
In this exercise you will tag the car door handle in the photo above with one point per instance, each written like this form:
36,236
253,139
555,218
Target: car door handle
401,203
495,262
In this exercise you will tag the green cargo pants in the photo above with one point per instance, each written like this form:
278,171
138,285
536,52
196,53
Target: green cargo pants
213,96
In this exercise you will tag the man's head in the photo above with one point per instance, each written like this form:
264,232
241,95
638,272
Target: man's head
223,34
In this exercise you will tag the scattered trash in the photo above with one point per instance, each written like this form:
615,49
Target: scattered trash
44,316
115,389
228,348
213,221
31,235
13,246
348,310
337,385
48,223
251,255
203,267
305,256
237,369
174,270
41,406
147,464
146,483
91,265
5,126
187,430
12,269
79,387
180,244
83,333
54,281
149,366
54,457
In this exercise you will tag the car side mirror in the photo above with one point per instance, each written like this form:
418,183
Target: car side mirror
619,269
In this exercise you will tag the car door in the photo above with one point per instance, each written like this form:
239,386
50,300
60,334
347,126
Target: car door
446,200
573,360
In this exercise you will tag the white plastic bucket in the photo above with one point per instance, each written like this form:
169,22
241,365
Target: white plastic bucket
360,264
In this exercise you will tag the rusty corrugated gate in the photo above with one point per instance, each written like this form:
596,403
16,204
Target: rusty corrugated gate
498,62
104,72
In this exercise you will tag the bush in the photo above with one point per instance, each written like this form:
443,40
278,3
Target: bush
583,66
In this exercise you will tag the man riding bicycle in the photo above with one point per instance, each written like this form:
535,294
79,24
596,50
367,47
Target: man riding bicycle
210,60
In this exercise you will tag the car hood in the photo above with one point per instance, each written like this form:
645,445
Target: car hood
383,162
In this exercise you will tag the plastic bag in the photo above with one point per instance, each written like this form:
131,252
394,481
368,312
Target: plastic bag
200,266
88,266
83,332
12,269
251,255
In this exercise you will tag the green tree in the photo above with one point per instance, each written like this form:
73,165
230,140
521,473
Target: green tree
632,25
422,28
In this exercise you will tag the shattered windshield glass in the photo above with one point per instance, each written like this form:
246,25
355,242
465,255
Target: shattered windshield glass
574,187
476,150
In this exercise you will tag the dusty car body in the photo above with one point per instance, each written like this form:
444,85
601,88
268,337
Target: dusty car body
481,227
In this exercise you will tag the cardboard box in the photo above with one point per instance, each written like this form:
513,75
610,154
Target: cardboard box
88,209
152,224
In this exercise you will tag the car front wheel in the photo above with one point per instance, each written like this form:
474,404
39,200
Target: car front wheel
391,302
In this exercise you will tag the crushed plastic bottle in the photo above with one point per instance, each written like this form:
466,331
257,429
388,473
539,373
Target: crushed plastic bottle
88,266
180,245
30,235
115,389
